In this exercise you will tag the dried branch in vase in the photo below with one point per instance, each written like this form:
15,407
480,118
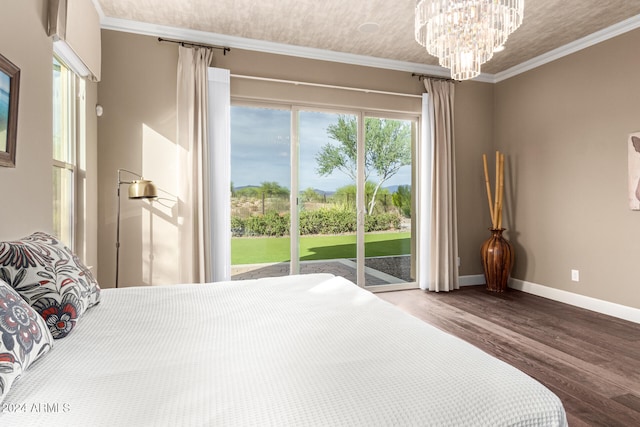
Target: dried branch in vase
495,202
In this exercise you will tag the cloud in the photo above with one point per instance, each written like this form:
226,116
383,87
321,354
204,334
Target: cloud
259,137
5,82
260,149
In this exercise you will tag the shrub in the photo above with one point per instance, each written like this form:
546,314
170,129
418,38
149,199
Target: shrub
319,221
237,226
327,221
381,222
402,199
276,224
270,224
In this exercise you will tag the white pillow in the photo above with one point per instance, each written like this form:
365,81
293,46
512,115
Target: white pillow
51,278
24,337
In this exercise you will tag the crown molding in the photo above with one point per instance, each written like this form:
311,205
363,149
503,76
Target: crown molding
96,4
583,43
197,36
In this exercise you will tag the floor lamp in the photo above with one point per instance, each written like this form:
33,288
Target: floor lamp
138,189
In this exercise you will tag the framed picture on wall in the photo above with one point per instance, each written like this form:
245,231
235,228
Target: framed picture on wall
633,147
9,88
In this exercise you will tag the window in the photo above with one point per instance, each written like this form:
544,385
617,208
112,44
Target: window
301,176
65,90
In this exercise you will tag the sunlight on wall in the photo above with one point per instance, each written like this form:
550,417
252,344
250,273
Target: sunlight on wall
160,248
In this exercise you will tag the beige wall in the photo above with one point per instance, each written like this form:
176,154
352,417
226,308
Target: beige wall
27,188
473,137
137,132
564,128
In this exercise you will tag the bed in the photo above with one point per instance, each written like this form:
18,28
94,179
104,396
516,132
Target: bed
291,351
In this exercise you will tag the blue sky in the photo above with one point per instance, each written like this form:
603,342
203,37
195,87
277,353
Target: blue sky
5,81
260,149
4,109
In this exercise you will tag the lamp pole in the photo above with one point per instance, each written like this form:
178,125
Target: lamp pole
118,232
143,190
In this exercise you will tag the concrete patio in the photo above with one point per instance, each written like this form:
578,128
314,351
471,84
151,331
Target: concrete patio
339,267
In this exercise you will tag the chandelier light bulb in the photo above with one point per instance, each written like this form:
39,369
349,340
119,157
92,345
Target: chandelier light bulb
463,34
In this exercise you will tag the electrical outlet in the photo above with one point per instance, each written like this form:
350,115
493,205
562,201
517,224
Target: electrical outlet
575,275
458,262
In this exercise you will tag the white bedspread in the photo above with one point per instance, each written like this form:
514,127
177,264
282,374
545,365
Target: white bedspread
291,351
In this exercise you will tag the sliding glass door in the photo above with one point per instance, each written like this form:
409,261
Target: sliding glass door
260,191
389,201
322,191
327,209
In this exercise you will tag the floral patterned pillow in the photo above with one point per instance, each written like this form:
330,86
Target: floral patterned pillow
24,337
51,278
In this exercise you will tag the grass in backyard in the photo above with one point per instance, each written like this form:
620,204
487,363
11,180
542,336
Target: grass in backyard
260,250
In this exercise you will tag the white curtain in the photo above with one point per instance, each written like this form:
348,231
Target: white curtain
220,166
437,232
193,131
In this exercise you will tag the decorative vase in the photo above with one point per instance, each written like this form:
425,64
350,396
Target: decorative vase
497,259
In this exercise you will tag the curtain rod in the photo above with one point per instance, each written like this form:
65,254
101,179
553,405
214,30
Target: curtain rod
426,76
326,86
183,43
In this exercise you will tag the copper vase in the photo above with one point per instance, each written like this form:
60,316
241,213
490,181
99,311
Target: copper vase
497,259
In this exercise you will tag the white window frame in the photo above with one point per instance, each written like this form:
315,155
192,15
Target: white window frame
73,126
361,114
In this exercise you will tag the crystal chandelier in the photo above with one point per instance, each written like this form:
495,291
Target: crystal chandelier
463,34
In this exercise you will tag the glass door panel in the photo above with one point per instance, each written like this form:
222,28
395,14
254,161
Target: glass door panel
327,172
389,201
260,192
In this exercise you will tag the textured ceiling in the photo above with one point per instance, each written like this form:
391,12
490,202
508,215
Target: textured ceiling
333,24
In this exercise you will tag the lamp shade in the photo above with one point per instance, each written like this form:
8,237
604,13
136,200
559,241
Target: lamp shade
142,189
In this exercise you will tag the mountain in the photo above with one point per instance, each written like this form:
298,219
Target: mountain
245,186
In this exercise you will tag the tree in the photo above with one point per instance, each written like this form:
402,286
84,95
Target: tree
402,200
347,194
273,189
387,149
247,192
310,195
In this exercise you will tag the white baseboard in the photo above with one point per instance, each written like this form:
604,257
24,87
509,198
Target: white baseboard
599,306
477,279
605,307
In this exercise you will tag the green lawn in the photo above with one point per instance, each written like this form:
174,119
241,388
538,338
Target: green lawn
276,249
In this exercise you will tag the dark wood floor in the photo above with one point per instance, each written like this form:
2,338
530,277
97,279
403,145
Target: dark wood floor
591,361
